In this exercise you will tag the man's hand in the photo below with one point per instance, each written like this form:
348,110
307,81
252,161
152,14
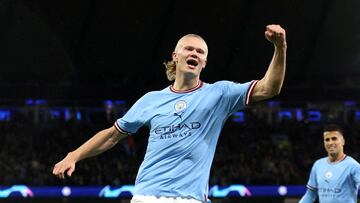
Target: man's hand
67,165
276,35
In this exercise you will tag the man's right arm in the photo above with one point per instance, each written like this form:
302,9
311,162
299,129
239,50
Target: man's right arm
99,143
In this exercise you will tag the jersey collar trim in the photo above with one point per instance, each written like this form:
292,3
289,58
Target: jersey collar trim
335,162
198,86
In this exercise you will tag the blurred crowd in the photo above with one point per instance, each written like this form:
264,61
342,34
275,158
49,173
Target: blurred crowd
254,152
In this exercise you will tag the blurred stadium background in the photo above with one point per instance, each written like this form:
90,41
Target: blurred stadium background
70,68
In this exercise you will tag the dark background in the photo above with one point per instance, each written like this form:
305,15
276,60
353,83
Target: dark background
114,49
71,51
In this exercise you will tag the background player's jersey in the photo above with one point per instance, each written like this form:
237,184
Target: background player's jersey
184,130
335,182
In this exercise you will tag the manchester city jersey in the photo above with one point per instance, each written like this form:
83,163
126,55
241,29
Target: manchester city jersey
184,130
335,182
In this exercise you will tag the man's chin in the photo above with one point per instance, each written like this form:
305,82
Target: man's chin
191,73
332,153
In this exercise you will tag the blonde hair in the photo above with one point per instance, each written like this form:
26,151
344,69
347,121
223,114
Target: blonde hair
171,65
170,69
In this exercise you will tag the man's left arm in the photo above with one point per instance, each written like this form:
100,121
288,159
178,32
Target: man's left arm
270,85
355,173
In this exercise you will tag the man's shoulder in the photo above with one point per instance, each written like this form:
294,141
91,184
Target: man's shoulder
352,160
219,84
230,83
321,160
157,92
151,96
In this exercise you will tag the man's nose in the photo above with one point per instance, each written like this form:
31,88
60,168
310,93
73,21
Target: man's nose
194,54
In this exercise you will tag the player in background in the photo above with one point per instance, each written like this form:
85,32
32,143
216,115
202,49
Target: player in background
336,177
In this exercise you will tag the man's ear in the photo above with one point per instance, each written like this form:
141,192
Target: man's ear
174,56
205,62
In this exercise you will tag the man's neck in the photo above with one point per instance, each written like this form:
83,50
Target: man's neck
336,157
182,84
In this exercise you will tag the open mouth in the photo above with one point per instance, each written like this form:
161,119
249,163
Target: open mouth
192,63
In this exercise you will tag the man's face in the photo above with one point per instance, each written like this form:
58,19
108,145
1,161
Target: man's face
190,56
333,142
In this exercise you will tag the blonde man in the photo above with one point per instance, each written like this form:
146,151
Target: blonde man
185,120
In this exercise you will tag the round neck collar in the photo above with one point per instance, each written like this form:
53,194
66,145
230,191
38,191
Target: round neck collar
198,86
335,162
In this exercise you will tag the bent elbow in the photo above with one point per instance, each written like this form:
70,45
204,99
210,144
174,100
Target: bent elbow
277,92
273,93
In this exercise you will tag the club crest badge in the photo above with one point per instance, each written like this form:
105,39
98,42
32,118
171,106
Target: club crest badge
180,105
328,175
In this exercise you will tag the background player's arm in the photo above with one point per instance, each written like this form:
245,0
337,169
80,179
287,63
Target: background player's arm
270,85
99,143
309,197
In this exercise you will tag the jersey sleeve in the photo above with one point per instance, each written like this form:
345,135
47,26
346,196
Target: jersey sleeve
237,95
312,182
309,197
356,173
136,117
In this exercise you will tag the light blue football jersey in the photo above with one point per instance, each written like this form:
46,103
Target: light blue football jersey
184,130
335,182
